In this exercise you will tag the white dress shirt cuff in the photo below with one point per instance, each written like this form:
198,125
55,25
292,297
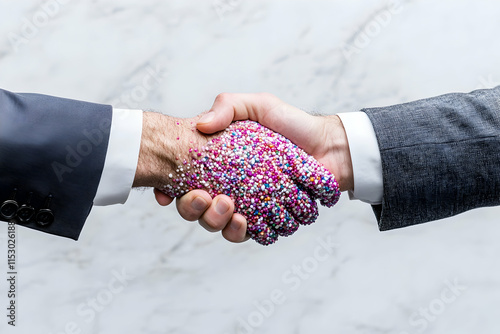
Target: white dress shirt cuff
365,156
121,158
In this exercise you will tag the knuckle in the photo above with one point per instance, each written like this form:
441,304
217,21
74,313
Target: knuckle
229,237
189,216
211,225
183,209
222,97
268,96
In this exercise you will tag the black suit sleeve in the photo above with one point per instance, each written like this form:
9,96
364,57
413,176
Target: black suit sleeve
440,157
52,153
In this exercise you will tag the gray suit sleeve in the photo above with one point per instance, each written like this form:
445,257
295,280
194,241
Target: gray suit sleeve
52,153
440,157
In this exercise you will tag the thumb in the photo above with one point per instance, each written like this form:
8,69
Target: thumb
263,108
162,198
229,107
219,116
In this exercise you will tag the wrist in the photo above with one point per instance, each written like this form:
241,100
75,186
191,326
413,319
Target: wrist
339,153
165,145
156,155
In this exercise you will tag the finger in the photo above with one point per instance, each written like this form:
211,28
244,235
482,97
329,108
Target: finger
259,231
226,109
267,110
229,107
278,217
218,215
288,225
236,230
162,198
302,207
193,205
315,179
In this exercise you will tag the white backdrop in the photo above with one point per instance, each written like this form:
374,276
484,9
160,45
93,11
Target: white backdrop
139,268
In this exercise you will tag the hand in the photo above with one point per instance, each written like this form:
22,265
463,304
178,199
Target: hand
273,183
321,136
165,144
157,159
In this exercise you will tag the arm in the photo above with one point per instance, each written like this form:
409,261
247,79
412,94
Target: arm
52,152
440,157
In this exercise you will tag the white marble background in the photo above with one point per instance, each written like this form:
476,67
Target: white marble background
328,56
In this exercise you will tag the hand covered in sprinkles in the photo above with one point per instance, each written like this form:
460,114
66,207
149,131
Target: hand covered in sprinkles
272,182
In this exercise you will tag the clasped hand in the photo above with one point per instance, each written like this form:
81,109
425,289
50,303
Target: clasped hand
263,184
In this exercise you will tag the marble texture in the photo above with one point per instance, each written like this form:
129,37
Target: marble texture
340,275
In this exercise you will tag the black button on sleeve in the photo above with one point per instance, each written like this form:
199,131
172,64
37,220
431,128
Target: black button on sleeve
9,209
44,217
25,213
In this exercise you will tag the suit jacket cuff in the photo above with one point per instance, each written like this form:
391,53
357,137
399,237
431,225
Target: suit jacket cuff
440,156
52,153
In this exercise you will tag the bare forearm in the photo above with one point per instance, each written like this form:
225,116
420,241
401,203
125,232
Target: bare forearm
159,146
165,145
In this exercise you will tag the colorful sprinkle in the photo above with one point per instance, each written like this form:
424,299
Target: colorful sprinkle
273,183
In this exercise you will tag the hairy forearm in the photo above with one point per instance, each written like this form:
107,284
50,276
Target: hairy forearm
159,146
165,145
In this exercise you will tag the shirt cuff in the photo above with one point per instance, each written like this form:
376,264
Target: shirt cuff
365,156
121,158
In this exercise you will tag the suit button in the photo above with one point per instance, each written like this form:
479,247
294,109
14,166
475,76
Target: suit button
26,211
8,209
44,217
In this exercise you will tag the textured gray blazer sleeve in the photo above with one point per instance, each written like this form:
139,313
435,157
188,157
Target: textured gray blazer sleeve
52,153
440,157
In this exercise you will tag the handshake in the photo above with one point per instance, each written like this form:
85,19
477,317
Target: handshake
252,167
